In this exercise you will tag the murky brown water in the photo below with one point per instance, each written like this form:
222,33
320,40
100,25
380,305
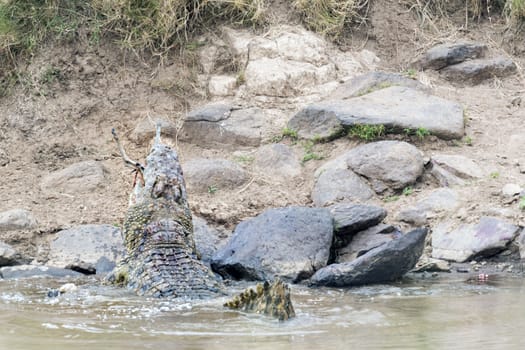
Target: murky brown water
442,314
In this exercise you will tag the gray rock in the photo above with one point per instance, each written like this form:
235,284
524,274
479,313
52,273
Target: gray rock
414,216
9,256
28,271
394,107
511,190
146,128
392,164
291,243
521,243
207,239
339,185
219,125
458,165
444,55
87,247
203,174
476,71
445,177
440,200
372,81
80,177
426,264
222,85
385,263
277,160
471,241
365,241
16,219
349,219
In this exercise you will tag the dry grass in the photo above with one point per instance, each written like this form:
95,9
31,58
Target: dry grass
330,17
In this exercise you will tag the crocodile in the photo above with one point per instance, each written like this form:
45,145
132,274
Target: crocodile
161,257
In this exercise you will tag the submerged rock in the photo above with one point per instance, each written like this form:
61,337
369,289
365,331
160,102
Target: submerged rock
28,271
382,264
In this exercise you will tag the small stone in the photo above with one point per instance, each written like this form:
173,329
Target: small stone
511,190
16,219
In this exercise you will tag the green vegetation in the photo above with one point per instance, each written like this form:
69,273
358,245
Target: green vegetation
366,132
310,154
521,203
331,17
494,175
382,85
407,191
411,73
245,158
212,189
467,140
391,198
420,133
287,132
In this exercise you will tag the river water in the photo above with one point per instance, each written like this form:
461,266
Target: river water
441,313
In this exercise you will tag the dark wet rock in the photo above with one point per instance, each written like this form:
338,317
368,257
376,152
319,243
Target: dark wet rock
16,219
277,160
476,71
87,248
77,178
145,129
395,107
9,256
340,185
27,271
220,125
385,263
350,218
291,243
206,238
366,240
458,165
444,55
203,175
372,81
387,164
471,241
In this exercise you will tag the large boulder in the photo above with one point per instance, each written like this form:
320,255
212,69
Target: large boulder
87,248
385,263
471,241
395,107
444,55
291,243
80,177
387,164
16,219
206,175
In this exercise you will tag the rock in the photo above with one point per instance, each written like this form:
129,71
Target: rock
278,77
277,160
16,219
385,263
222,85
471,241
28,271
476,71
202,175
521,243
444,177
511,190
458,165
219,125
440,200
291,243
339,185
352,218
365,241
9,256
87,248
80,177
206,239
426,264
372,81
394,107
146,128
392,164
444,55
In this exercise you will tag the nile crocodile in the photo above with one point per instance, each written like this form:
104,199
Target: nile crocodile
161,259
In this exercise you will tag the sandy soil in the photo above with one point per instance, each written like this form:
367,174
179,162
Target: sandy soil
75,94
